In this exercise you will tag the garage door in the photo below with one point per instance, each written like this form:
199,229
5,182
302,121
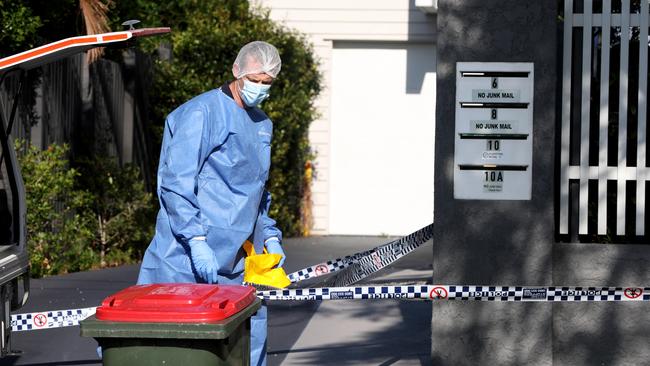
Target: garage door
382,137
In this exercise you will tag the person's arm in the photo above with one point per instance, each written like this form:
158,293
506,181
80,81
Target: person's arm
178,186
178,174
272,235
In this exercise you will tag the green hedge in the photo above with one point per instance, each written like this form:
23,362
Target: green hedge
206,36
93,216
60,225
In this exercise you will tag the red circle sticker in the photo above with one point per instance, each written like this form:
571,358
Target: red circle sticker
438,293
633,292
40,320
321,269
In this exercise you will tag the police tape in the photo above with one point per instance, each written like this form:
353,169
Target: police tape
466,293
367,262
360,265
67,318
50,319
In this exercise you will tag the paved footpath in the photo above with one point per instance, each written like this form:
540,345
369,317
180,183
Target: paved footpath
343,332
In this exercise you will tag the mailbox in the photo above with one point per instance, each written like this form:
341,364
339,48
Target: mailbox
493,146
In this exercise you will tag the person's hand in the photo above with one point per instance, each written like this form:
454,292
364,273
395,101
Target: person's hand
204,260
273,246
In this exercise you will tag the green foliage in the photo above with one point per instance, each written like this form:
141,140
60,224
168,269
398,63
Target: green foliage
18,26
25,24
124,210
107,223
60,226
206,36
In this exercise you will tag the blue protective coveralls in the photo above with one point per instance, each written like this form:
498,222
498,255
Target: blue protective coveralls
214,164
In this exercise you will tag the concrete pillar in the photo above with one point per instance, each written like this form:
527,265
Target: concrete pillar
479,242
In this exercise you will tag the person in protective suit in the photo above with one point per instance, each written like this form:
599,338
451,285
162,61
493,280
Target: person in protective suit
214,164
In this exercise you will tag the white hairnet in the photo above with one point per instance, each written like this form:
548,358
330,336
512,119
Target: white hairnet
255,58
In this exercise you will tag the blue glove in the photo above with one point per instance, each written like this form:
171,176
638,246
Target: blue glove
273,246
204,260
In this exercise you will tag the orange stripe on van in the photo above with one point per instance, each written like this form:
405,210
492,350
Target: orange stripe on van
49,48
115,37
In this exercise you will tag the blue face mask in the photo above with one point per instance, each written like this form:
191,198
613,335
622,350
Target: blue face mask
253,93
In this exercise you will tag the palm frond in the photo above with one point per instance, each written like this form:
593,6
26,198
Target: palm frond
95,14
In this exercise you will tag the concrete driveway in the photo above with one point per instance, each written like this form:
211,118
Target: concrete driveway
343,332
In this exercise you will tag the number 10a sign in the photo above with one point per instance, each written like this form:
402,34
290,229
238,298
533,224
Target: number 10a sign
493,181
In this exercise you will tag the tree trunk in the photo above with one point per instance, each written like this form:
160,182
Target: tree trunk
102,240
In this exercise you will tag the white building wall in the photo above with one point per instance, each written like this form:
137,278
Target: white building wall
326,21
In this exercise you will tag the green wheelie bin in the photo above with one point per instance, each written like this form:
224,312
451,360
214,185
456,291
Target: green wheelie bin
175,324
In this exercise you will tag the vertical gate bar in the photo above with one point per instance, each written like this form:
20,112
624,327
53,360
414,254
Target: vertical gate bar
566,117
622,118
640,205
642,119
603,139
584,117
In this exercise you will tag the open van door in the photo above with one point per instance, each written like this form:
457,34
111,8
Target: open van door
14,256
14,259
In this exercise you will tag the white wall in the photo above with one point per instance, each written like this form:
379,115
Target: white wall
327,21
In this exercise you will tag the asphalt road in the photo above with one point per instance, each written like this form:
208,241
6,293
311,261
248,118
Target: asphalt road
344,332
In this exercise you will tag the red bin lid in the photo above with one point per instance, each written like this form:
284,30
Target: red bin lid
176,303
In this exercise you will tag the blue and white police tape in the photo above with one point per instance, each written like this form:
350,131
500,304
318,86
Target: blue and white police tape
372,261
67,318
366,262
459,292
50,319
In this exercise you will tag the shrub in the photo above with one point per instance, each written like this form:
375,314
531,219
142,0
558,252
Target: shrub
108,222
60,226
123,209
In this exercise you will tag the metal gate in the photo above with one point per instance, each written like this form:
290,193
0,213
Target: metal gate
603,157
